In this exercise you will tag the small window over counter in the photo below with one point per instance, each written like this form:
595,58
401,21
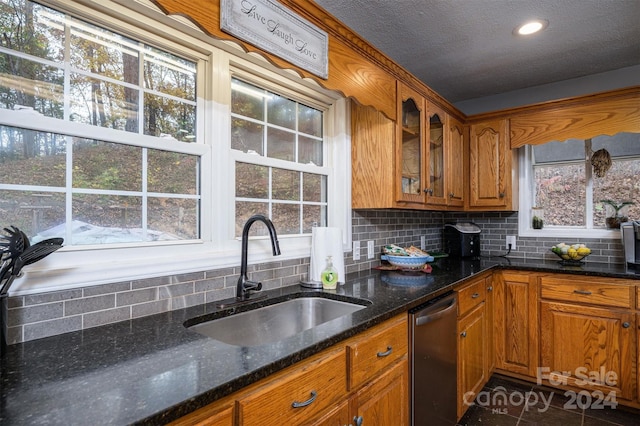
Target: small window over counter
589,186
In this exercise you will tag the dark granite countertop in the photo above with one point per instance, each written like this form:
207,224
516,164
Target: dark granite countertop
153,370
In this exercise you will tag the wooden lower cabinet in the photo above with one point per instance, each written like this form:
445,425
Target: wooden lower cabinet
490,315
588,347
472,357
516,322
475,339
568,331
337,416
219,414
384,401
302,394
372,387
589,334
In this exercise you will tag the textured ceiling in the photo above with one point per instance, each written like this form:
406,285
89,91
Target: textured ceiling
465,49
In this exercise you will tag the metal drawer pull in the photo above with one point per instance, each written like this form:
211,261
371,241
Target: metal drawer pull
295,404
585,292
626,325
357,421
490,288
387,353
463,334
475,295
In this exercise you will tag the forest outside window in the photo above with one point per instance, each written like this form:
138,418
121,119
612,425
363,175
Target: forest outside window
97,157
128,143
279,167
572,197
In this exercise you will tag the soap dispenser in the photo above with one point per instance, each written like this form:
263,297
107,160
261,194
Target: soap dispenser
329,275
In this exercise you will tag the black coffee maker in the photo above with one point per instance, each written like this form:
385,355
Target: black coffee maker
462,239
630,232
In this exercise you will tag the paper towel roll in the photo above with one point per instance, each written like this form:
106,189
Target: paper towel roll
326,241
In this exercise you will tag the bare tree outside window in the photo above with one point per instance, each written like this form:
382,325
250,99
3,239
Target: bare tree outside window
266,125
95,77
564,180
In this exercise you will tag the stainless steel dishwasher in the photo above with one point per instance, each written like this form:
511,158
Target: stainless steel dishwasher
434,362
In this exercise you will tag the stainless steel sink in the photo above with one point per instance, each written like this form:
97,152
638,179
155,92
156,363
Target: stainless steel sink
275,322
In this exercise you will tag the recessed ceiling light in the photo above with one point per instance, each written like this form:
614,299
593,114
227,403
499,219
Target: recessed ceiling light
530,27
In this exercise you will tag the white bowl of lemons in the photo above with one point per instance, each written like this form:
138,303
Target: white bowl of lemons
571,252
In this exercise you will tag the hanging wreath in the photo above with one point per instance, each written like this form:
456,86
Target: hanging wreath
601,162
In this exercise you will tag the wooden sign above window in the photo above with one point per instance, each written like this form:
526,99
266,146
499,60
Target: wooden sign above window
275,29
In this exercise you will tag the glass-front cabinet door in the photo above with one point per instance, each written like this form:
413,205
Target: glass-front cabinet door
410,158
436,188
456,173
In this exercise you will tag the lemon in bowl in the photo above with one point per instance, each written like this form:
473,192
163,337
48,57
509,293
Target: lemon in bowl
571,253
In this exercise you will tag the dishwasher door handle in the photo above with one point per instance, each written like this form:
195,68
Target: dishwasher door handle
437,314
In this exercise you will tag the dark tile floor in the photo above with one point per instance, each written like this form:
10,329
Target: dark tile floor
509,402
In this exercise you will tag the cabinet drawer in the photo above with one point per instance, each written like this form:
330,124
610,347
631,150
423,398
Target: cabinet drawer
615,293
319,383
215,414
376,349
470,296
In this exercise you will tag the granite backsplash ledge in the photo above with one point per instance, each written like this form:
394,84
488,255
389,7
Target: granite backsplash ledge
46,314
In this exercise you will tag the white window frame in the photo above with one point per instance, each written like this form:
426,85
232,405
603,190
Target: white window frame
337,146
78,266
526,184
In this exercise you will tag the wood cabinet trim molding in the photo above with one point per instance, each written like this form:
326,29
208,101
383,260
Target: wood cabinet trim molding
583,117
581,121
623,93
335,28
356,68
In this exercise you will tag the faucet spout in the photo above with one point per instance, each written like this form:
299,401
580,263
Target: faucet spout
244,284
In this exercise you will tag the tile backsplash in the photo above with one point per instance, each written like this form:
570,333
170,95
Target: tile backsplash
35,316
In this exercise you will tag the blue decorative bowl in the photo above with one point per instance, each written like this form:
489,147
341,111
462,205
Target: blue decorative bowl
406,278
407,262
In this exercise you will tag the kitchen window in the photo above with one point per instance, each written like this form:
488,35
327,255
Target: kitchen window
279,147
572,196
128,144
65,82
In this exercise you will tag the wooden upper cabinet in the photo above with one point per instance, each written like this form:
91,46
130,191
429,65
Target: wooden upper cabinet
456,171
490,161
427,147
437,149
410,150
372,156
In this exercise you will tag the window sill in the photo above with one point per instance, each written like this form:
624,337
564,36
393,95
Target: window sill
70,269
570,233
